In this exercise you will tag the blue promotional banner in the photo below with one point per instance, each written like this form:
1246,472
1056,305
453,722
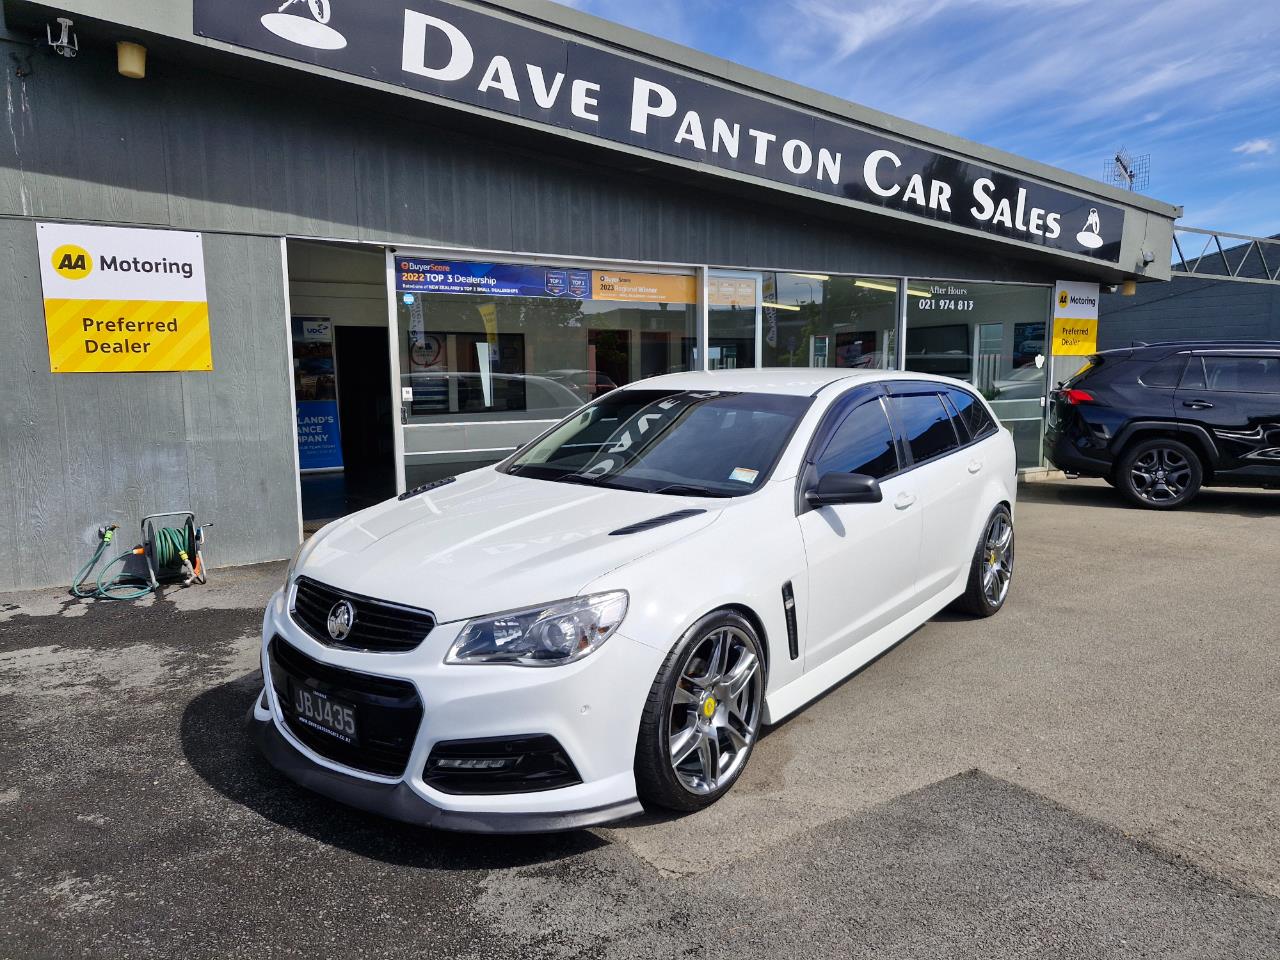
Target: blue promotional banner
417,275
319,436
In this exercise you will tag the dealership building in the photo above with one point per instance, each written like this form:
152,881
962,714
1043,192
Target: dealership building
276,261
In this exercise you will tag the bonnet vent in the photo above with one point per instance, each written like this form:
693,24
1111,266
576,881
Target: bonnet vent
652,522
425,487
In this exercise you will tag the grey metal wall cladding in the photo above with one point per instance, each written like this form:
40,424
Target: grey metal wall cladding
210,152
77,450
1190,308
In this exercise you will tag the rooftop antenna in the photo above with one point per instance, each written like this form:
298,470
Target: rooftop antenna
1126,171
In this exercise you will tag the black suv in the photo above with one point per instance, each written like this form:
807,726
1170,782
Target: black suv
1159,421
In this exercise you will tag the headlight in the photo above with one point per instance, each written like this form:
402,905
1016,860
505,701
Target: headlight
288,573
541,636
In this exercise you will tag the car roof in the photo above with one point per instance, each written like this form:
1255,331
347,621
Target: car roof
790,381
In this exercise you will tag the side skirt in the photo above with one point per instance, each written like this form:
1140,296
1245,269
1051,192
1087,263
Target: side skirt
787,700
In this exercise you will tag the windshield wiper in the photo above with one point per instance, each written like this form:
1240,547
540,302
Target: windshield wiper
581,478
690,490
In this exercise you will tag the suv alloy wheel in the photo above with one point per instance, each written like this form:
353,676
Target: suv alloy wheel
1159,474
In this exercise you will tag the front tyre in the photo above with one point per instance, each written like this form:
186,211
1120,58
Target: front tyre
703,714
991,570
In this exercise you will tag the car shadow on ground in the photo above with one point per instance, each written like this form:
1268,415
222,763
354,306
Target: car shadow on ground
1083,493
219,749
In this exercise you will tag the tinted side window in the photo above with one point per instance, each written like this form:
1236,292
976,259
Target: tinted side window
1242,374
973,415
1166,373
925,423
863,443
1193,376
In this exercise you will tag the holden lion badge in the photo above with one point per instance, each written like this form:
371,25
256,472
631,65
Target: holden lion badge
315,33
1089,236
342,616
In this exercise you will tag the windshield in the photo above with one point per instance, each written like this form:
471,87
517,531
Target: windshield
700,443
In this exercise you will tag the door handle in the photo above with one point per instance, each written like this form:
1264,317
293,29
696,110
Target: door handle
1198,404
975,466
904,500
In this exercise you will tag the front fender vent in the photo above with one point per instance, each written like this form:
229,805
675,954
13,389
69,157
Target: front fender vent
789,611
652,522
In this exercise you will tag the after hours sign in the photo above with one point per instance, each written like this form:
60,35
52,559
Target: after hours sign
123,300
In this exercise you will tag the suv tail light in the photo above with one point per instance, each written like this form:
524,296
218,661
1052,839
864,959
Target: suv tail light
1075,397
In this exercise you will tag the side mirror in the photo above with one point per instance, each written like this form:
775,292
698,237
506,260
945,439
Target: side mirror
834,488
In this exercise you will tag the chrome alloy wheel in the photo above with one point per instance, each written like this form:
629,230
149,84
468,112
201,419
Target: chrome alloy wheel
997,558
1160,475
715,710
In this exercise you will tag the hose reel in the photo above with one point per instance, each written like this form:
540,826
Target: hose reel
167,554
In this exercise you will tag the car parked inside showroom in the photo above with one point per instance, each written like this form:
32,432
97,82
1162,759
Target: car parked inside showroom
1159,421
606,619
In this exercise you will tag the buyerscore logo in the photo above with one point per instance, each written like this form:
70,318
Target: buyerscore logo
313,31
72,262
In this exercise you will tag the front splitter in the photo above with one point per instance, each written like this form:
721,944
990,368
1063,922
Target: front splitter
398,802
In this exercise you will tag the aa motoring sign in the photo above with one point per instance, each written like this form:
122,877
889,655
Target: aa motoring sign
487,61
123,300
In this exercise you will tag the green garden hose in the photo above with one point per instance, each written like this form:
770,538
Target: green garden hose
172,550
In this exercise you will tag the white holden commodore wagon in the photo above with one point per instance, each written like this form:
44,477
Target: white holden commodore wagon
606,619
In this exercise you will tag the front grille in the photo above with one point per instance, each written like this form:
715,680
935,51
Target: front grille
388,712
378,627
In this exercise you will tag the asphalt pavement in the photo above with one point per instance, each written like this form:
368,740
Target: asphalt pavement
1092,773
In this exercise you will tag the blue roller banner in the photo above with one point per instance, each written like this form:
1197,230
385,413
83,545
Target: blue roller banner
420,275
319,437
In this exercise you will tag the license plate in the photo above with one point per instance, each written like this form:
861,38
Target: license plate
321,712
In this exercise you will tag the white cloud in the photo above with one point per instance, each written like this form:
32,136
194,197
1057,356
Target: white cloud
1257,145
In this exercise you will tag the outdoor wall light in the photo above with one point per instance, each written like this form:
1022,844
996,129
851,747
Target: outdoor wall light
131,59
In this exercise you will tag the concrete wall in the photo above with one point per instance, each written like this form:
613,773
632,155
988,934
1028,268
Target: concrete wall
77,450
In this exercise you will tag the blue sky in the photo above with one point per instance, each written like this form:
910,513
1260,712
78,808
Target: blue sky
1193,83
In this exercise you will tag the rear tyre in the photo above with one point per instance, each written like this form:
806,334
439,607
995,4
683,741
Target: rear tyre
991,570
703,715
1159,474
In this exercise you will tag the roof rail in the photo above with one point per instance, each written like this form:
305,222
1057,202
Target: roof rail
1210,342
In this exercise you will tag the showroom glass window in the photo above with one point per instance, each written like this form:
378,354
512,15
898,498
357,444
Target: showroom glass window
821,320
991,335
492,354
732,311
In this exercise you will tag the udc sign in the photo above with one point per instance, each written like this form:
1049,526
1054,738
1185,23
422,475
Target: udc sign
467,56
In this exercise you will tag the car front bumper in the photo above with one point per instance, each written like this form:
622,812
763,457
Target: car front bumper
591,708
399,802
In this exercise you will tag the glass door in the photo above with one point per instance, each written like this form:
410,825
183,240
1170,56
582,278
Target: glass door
733,320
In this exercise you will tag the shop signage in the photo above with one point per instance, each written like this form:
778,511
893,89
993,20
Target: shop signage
1075,319
734,292
315,392
643,287
416,275
468,56
123,300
